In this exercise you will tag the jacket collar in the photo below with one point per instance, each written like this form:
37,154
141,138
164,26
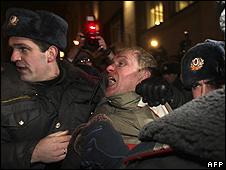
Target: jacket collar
124,101
43,86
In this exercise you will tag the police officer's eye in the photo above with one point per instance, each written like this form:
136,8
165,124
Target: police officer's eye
23,49
195,85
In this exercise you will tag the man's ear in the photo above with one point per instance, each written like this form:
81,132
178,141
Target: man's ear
52,53
145,74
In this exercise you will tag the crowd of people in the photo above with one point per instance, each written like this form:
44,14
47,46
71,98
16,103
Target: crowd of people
106,109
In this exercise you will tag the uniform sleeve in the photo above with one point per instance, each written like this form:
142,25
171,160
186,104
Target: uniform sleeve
17,155
179,97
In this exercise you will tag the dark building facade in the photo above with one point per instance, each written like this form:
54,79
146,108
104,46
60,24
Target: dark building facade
160,27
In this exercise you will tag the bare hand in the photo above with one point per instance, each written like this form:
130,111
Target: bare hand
102,43
81,39
52,148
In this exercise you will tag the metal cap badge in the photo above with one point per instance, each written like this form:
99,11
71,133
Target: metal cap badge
196,64
13,20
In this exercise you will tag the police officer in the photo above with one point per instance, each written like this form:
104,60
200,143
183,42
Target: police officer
38,118
202,70
194,134
203,67
171,73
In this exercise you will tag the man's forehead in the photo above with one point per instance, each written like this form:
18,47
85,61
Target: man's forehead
127,55
18,40
118,56
22,42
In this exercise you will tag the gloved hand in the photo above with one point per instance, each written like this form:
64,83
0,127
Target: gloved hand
95,145
155,91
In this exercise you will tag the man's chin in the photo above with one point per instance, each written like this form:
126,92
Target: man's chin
107,94
110,91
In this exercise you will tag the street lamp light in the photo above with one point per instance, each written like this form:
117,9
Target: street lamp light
154,43
61,55
76,42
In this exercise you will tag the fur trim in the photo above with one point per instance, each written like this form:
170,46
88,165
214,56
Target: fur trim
197,127
204,61
39,25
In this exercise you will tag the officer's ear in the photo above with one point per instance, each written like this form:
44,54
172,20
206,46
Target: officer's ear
52,53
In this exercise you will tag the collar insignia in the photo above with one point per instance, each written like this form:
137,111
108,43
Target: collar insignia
196,64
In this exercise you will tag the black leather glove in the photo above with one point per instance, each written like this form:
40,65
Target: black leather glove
155,91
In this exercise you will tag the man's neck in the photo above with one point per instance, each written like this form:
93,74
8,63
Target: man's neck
53,72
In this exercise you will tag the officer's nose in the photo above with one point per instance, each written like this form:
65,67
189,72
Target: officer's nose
16,56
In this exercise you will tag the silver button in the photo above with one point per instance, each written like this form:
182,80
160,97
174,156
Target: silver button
21,122
58,125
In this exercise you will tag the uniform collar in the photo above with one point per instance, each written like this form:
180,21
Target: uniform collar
44,85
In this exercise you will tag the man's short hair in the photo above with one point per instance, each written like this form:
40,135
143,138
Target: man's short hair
145,59
42,45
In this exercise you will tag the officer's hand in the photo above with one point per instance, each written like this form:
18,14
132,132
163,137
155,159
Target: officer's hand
155,91
52,148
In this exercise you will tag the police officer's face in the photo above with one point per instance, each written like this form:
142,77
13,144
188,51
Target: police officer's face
202,89
123,74
31,63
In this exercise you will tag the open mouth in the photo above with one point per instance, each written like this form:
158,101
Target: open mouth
111,81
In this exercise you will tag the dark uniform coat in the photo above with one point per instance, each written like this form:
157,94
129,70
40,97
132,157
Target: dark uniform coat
195,133
31,112
180,94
